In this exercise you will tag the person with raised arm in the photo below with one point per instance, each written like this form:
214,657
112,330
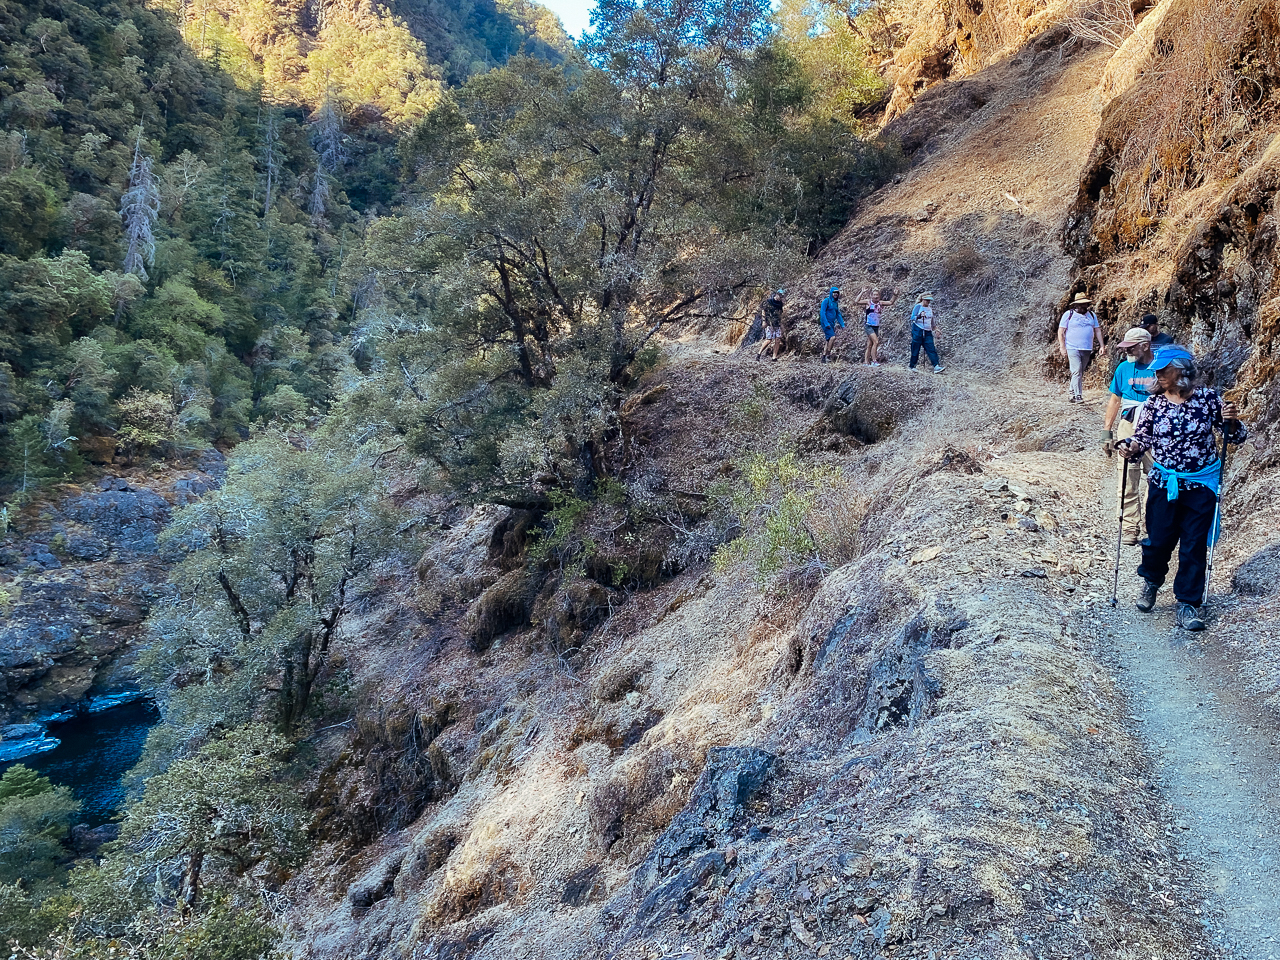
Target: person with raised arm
874,307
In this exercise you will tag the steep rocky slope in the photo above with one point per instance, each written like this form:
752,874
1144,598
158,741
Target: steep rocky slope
912,746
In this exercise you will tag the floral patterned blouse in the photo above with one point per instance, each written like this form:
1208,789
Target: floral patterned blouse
1180,435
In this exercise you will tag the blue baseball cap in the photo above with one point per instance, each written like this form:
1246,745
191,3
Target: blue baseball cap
1171,354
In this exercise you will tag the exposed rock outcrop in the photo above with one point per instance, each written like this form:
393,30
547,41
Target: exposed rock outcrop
80,570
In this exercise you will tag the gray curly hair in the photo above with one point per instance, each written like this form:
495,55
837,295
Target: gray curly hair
1187,376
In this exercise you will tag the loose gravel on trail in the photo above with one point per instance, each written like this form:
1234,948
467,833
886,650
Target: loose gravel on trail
1215,751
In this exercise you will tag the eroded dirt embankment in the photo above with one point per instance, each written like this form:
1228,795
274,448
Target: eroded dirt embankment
919,749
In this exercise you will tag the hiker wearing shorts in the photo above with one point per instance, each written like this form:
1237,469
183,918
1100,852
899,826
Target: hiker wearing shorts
1076,332
1176,426
831,320
871,303
923,326
774,335
1134,381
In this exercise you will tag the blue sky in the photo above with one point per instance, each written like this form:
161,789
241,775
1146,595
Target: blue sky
574,14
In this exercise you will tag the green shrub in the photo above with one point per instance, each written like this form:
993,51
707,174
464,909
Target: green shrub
774,502
35,817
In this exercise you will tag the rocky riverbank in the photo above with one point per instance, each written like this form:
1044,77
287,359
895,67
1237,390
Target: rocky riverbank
79,570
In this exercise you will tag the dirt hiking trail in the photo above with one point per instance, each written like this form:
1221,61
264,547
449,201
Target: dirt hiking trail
1215,752
998,181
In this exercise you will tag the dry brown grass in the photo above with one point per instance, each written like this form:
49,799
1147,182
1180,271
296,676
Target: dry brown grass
641,799
1190,119
963,262
1102,21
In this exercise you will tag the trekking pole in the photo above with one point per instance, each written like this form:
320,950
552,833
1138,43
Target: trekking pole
1124,488
1217,518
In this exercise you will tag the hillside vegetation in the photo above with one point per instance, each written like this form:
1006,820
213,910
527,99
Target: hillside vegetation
181,189
536,616
445,294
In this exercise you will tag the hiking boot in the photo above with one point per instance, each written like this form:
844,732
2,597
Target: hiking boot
939,368
1189,617
1147,596
1131,540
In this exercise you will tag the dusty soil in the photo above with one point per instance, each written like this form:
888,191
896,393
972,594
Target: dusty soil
1214,749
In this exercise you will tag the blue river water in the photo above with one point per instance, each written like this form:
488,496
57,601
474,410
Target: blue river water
96,751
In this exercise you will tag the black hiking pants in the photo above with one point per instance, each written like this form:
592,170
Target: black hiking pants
1184,522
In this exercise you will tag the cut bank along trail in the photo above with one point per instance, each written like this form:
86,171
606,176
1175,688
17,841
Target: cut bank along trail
1214,751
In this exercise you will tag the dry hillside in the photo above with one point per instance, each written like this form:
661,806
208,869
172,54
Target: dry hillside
912,742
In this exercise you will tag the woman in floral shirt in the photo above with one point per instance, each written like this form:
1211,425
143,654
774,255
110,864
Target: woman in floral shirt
1177,426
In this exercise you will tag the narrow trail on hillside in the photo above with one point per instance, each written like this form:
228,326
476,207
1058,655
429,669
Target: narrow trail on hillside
1214,752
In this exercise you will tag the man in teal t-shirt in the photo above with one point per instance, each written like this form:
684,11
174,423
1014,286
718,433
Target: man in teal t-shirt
1131,385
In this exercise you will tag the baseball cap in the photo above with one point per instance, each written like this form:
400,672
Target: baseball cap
1135,336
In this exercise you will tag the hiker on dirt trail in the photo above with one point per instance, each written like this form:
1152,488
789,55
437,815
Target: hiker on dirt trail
1076,332
1151,323
1177,426
832,321
874,307
922,329
1134,381
774,335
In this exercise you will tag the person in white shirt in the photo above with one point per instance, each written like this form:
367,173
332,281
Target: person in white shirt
923,326
1076,333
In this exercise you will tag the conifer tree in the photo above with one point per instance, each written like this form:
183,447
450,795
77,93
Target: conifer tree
139,209
331,153
271,156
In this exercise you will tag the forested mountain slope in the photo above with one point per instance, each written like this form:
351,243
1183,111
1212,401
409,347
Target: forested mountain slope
180,190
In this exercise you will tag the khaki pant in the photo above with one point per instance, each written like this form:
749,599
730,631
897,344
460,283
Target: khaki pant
1131,523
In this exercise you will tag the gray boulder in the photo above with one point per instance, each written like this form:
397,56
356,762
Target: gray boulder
731,776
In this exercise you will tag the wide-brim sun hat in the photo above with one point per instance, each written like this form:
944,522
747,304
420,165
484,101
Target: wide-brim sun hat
1135,336
1081,301
1172,354
926,296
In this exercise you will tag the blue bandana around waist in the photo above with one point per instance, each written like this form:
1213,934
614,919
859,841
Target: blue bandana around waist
1210,476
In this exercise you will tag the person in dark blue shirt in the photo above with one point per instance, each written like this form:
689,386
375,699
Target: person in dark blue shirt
831,320
1151,323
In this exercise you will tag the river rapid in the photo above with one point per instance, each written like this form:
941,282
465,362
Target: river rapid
95,751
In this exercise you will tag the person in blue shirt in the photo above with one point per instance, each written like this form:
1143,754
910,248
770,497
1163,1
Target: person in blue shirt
1133,382
831,320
